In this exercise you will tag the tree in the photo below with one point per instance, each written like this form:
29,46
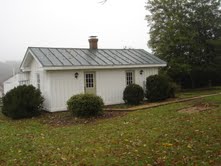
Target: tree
179,30
216,45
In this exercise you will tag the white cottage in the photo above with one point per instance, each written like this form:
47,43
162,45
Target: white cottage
62,72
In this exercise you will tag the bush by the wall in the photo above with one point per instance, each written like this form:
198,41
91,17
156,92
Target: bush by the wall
158,88
133,94
22,102
85,105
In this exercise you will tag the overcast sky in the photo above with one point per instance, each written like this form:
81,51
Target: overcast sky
69,23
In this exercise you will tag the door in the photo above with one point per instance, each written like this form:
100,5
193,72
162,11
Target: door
90,82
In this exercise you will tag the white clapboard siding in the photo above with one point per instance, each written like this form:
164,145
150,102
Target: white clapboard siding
63,85
110,85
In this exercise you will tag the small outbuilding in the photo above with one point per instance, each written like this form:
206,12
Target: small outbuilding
62,72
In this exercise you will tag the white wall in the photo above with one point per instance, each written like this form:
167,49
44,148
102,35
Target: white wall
58,86
14,81
44,82
10,83
109,85
34,66
63,85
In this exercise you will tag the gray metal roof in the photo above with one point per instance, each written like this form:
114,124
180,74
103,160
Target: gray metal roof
60,57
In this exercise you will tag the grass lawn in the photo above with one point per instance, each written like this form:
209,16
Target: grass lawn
197,92
158,136
181,95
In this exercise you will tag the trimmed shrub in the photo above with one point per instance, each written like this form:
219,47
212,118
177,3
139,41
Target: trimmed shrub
133,94
22,102
85,105
159,87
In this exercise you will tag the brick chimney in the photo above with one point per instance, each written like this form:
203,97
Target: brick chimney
93,42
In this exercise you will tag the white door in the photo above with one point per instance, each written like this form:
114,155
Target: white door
90,82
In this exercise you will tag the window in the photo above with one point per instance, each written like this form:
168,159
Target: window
129,77
89,80
38,81
24,82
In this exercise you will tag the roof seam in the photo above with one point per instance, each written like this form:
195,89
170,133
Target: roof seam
72,56
154,57
36,58
45,56
90,57
97,56
125,57
55,56
64,56
81,56
111,56
138,53
135,57
120,56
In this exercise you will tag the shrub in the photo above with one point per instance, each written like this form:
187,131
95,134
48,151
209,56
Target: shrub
159,87
85,105
133,94
22,102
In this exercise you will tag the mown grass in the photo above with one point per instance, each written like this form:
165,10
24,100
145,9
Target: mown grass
180,95
158,136
198,92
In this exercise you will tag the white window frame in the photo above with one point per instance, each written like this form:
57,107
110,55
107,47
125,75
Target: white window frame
89,80
130,77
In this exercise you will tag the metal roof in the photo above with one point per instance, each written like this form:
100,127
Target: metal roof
64,57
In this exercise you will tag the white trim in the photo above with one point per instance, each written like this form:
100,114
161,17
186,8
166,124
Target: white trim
103,67
24,59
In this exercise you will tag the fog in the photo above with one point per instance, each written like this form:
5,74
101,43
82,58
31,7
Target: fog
69,23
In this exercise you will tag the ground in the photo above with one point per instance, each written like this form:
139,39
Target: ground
168,135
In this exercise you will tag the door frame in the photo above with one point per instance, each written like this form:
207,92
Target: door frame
94,81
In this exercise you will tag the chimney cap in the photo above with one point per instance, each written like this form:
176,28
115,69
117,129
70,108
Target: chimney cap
93,37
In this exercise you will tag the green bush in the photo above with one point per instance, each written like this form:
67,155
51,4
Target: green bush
133,94
159,87
22,102
85,105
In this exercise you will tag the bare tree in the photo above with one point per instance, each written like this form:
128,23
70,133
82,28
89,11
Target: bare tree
103,2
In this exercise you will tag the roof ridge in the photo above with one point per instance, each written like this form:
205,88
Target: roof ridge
88,48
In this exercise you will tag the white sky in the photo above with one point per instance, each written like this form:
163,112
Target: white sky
69,23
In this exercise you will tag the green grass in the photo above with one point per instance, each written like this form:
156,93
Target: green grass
198,92
160,136
181,95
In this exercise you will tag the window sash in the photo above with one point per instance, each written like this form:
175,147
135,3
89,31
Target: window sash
129,77
89,80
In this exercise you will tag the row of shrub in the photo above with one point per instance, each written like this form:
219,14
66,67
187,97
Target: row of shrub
26,101
158,87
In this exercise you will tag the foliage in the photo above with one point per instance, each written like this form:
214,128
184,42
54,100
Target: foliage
163,134
179,34
85,105
22,102
133,94
159,87
216,45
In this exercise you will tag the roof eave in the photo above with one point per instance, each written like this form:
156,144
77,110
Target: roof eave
28,51
102,67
